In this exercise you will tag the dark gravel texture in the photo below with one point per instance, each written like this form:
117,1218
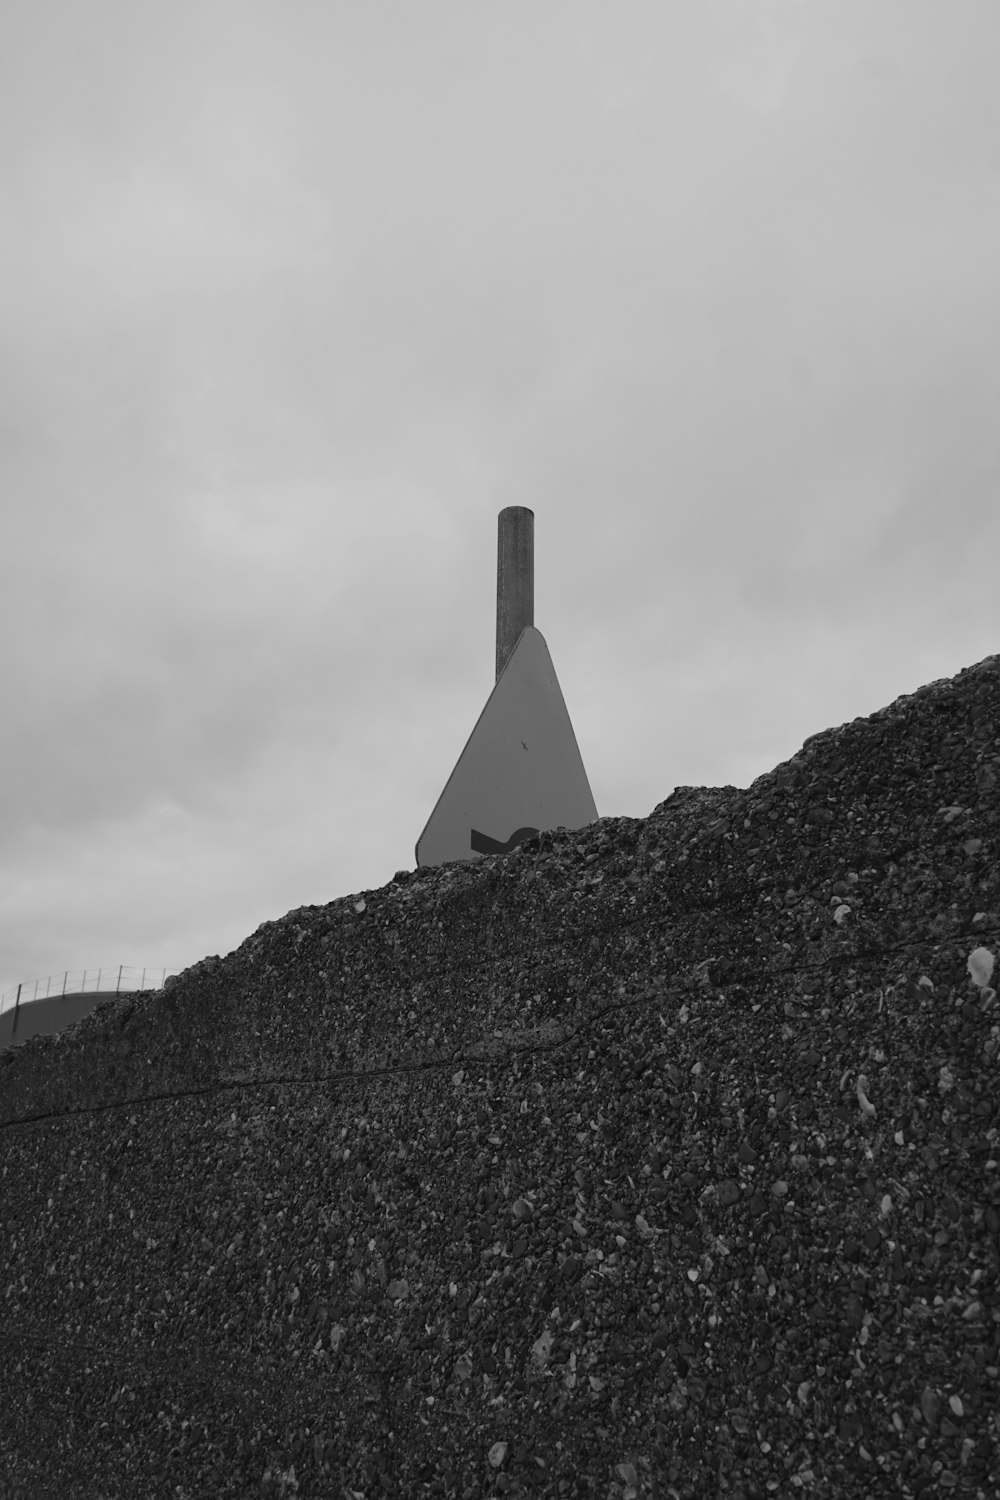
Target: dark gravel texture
655,1159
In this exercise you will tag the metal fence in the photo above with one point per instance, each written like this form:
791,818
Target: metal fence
119,979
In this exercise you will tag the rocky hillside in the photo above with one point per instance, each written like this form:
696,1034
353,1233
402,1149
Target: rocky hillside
656,1159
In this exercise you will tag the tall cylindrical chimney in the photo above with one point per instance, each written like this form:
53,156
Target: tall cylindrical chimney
515,578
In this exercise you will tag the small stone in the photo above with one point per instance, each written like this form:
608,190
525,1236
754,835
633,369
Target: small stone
930,1406
541,1349
980,966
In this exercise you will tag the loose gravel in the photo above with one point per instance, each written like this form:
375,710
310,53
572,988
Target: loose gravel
658,1158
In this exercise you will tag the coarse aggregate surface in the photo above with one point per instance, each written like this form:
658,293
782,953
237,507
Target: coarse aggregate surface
659,1158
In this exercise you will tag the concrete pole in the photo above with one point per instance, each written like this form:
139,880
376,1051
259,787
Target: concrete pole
515,578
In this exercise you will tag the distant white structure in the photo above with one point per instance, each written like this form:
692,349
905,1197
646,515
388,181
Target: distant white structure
521,770
44,1006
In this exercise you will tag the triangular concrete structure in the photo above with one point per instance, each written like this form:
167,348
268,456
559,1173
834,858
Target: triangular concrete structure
520,772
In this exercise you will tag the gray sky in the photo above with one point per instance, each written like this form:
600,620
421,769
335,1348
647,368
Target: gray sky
296,297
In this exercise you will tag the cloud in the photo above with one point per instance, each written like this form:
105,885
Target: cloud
295,301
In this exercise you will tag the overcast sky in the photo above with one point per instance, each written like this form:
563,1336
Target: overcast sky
296,297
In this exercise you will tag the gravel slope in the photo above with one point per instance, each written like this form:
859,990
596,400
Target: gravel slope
657,1159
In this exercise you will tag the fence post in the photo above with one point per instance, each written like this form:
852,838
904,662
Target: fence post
119,984
17,1005
65,977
